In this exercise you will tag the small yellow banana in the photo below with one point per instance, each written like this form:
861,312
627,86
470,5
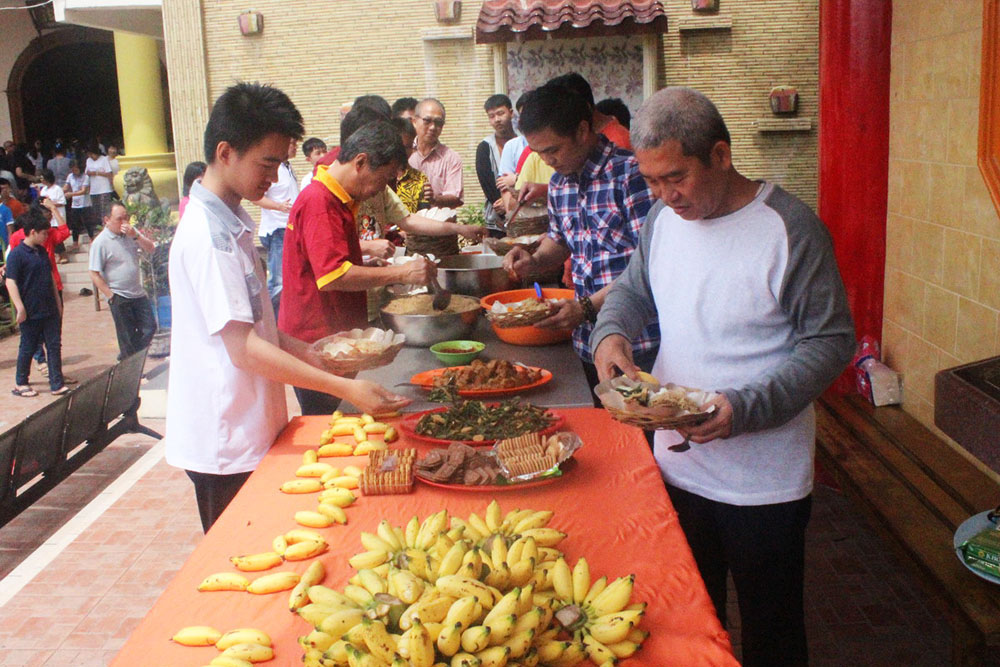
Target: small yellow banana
613,598
368,559
339,622
353,471
197,635
562,580
391,435
273,583
493,517
495,656
581,580
312,519
343,481
305,550
257,562
367,446
313,469
335,449
388,534
333,512
310,456
476,638
301,486
279,544
342,428
337,496
359,434
250,652
229,661
243,636
597,651
224,581
303,535
375,427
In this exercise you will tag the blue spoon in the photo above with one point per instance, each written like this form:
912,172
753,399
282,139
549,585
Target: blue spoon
538,291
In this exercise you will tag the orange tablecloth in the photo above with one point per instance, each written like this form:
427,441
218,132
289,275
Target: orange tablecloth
612,504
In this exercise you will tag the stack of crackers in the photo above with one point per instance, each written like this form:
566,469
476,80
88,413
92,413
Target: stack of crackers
528,454
389,471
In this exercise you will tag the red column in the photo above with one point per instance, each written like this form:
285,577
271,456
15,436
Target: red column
854,61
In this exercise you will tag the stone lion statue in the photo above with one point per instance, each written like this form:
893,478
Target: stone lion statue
139,187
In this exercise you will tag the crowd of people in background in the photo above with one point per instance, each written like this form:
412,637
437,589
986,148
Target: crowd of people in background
49,195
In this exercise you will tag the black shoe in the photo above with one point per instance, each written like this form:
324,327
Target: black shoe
86,291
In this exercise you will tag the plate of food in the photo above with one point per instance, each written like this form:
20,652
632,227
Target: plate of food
358,349
975,544
651,405
478,424
518,463
483,379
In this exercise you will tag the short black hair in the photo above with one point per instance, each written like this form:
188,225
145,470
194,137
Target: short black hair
192,173
404,104
248,112
613,106
47,175
498,100
112,205
405,127
521,100
311,144
32,221
376,102
556,108
379,140
575,82
356,118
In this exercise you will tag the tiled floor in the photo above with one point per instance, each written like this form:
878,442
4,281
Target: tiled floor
862,608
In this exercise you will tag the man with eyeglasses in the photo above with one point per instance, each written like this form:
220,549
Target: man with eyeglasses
442,165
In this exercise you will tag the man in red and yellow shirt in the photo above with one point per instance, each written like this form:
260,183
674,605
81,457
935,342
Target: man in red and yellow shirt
324,274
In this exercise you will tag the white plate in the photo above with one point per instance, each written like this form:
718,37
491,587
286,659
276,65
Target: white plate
970,528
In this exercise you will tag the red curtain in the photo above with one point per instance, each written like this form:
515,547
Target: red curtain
854,61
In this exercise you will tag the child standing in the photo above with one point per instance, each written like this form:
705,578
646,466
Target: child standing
39,312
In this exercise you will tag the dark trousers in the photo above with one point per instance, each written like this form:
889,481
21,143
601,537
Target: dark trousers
33,333
763,546
316,402
134,324
274,244
80,220
214,493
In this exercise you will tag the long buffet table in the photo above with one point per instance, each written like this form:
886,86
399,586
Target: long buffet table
612,504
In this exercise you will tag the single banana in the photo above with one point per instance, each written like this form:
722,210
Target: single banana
522,573
408,586
495,656
367,418
257,562
342,429
410,531
317,639
450,639
574,654
335,449
581,580
365,447
457,586
552,650
333,512
501,628
375,427
391,435
479,527
243,636
388,535
305,550
562,580
519,643
452,559
353,471
229,661
360,595
613,598
339,622
529,620
301,486
279,544
546,537
273,583
624,649
378,640
337,496
224,581
343,481
371,582
320,594
464,659
313,469
373,542
538,519
462,612
313,519
303,535
309,456
197,635
421,647
359,434
476,638
512,518
250,652
493,518
595,589
597,651
368,559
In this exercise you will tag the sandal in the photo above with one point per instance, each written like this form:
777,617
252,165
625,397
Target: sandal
68,380
24,392
60,391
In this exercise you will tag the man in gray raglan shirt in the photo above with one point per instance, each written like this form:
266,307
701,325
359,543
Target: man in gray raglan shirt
742,279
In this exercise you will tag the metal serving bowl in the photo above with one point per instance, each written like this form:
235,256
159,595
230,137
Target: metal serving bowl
425,330
474,275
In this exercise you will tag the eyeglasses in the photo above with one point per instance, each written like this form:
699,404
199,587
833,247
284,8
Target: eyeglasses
436,122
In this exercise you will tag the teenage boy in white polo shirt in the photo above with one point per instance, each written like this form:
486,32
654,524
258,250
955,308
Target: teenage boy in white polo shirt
225,399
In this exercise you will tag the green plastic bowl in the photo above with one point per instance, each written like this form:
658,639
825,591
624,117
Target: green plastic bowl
470,350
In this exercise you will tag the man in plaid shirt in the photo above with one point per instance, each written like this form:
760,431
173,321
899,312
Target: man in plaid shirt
597,202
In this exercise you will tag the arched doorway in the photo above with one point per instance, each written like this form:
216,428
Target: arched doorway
64,84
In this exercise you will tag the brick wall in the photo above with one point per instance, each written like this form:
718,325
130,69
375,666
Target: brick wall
326,53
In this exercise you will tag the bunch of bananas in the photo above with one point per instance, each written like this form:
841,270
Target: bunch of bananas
488,591
239,648
358,427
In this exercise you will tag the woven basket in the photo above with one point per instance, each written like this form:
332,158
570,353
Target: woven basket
524,226
346,365
652,423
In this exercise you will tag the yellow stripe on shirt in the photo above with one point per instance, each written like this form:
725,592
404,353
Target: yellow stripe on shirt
323,281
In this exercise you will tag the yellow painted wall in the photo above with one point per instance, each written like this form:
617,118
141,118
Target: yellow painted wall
942,290
326,53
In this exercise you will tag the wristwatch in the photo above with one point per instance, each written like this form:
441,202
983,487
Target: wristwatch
589,312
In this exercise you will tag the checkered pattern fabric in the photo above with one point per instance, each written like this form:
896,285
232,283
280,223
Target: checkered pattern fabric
597,214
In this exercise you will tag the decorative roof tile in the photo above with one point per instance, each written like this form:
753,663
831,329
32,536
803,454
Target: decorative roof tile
509,20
